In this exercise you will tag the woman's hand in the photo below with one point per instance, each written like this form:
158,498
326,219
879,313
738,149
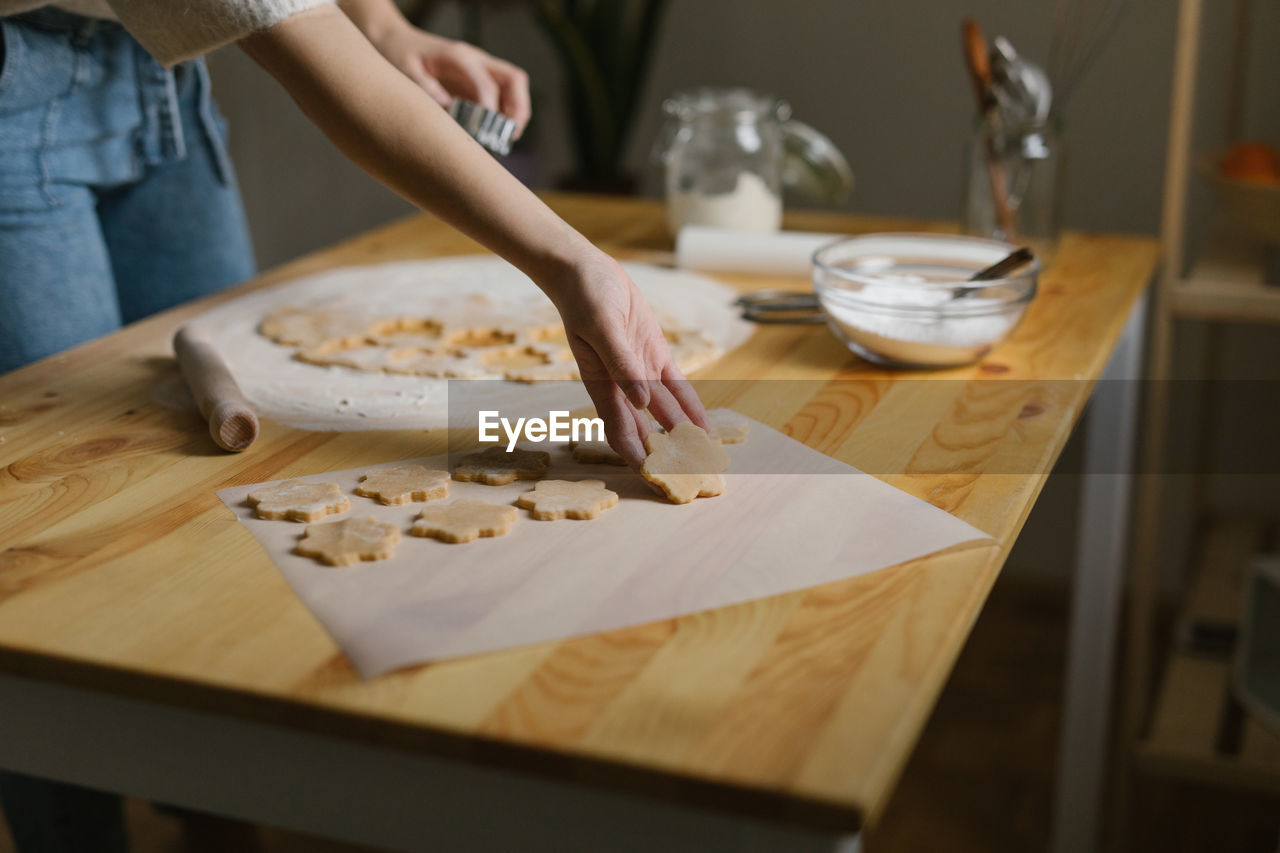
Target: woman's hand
444,68
622,355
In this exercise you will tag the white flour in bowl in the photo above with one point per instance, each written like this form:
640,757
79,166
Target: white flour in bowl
925,338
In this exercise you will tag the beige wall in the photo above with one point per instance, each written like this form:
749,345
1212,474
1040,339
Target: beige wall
883,79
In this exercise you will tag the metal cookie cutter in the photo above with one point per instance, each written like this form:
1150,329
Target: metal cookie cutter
780,307
490,128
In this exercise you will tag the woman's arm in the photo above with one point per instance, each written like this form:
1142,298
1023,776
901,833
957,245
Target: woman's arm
394,131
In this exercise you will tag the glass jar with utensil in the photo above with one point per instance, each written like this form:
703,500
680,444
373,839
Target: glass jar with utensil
1014,167
727,155
1014,181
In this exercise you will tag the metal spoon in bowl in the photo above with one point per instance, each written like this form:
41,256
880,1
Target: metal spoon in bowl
1007,265
790,307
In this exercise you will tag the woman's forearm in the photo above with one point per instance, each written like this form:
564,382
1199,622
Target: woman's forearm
373,17
393,130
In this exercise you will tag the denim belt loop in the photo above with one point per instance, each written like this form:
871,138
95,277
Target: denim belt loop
162,137
173,141
221,158
81,38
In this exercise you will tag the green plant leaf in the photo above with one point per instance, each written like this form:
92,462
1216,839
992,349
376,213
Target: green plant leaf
589,95
607,47
639,50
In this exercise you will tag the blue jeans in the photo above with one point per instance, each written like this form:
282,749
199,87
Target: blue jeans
117,199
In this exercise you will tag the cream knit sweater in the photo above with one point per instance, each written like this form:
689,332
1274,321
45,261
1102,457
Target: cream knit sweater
176,30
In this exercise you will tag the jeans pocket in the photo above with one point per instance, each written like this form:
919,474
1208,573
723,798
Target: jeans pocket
39,67
40,74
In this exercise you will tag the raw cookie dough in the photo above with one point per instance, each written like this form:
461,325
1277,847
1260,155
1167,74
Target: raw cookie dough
552,361
685,463
348,541
478,340
401,484
595,452
551,500
496,467
301,327
691,350
464,520
449,365
366,357
727,426
295,500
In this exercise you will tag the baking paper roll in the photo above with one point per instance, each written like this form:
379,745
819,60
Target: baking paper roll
699,247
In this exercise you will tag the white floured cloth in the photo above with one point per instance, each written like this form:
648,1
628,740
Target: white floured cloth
176,30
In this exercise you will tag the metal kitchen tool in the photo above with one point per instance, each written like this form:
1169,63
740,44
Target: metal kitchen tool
1021,87
490,128
790,307
781,307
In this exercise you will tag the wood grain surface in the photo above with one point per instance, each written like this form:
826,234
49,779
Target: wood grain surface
120,570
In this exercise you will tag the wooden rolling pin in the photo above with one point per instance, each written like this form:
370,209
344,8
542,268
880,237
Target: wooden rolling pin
232,422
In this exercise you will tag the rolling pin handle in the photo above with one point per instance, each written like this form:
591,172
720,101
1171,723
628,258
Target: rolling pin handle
233,425
232,422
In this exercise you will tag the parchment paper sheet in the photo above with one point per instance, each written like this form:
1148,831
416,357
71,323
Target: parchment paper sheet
641,561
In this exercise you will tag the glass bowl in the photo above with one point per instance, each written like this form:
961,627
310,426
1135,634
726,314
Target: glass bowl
905,300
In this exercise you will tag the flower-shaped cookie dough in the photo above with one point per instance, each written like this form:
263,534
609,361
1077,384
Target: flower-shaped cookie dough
400,484
685,463
309,328
595,452
348,541
464,520
298,501
498,467
555,499
727,426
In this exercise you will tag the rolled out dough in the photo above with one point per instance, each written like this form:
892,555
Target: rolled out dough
697,311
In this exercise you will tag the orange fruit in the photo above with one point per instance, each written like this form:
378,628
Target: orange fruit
1251,161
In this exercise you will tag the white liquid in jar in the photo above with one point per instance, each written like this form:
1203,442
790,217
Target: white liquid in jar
750,206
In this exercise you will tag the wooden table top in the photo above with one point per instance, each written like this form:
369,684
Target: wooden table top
120,570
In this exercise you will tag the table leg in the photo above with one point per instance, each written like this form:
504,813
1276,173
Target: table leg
1101,541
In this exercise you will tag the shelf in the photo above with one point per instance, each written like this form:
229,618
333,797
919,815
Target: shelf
1198,731
1211,612
1228,283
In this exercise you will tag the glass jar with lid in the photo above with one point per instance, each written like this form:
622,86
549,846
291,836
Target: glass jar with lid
728,154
